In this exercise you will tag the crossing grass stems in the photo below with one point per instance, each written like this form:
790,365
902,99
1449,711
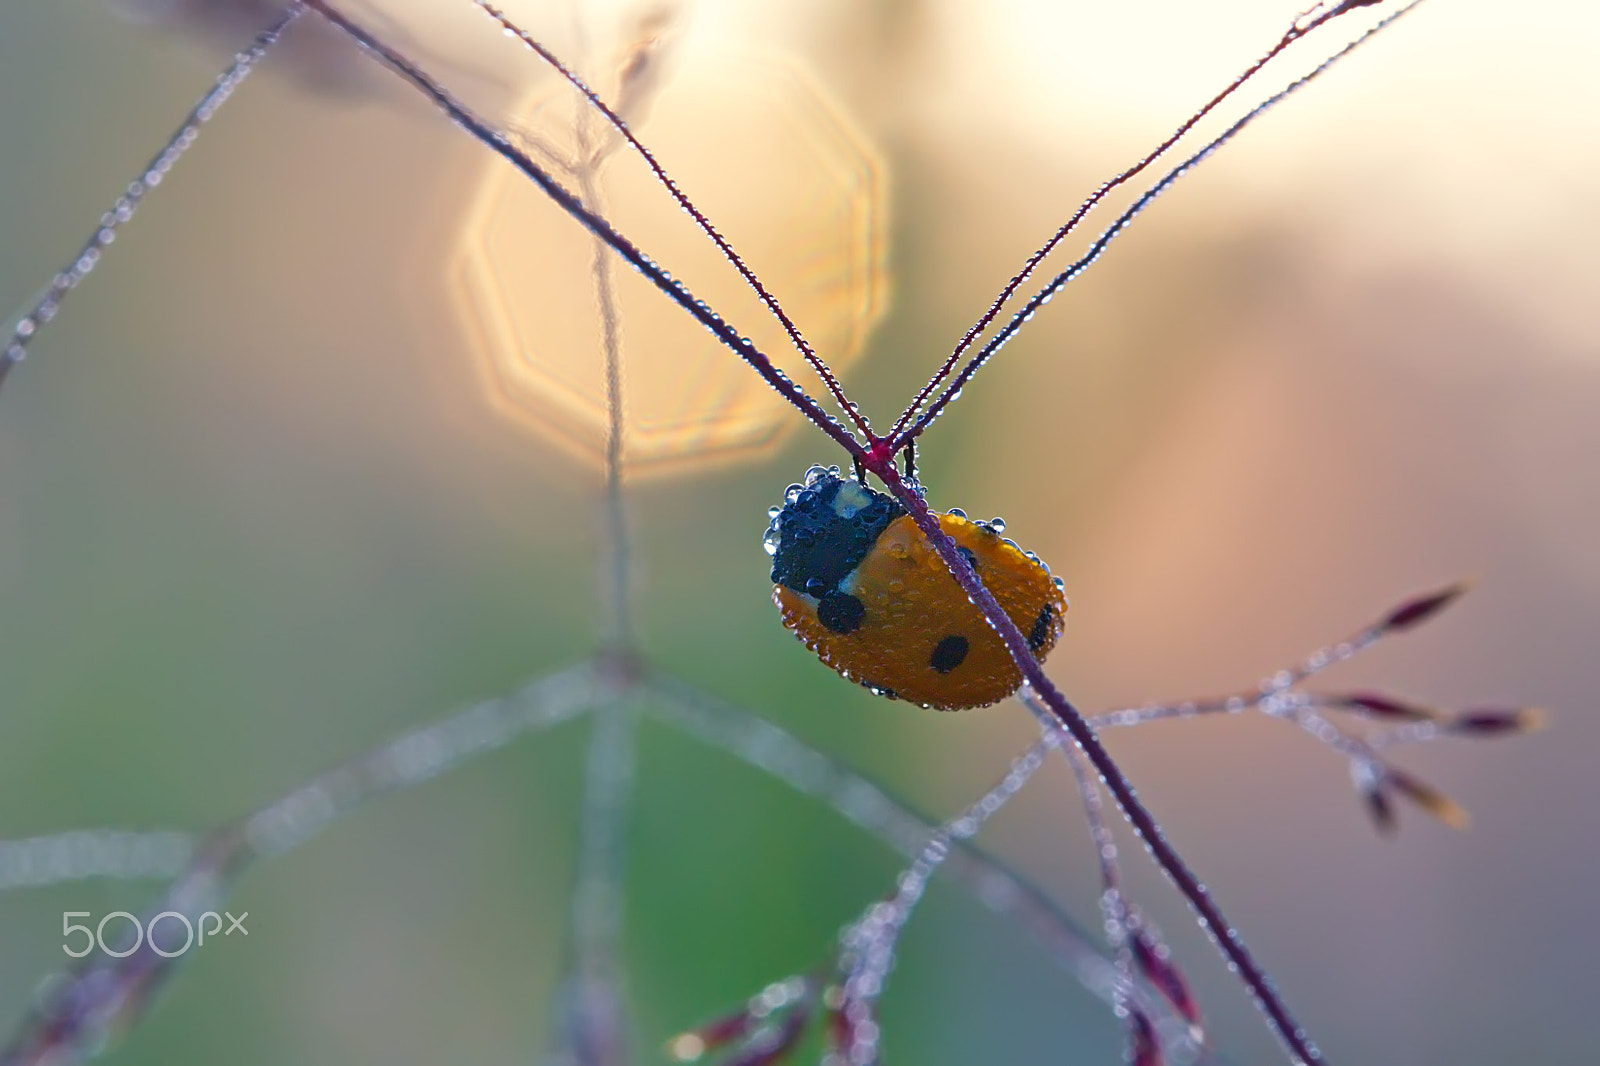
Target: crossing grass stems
1139,979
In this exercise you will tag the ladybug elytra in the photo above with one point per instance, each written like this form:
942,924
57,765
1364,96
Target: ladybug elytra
862,587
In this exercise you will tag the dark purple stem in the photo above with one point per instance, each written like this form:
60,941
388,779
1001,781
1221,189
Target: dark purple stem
1294,33
879,459
1144,824
569,202
825,372
902,437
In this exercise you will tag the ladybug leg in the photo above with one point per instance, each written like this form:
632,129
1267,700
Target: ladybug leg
911,460
861,470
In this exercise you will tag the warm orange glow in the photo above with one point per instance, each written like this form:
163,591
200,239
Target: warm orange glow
790,183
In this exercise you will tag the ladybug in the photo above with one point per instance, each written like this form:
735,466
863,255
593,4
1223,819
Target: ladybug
859,583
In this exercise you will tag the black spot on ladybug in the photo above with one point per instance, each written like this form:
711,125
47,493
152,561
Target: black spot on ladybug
1041,627
823,535
842,613
950,653
966,553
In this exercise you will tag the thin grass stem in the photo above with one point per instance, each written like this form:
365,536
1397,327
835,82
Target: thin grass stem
871,942
1303,26
1098,247
78,1010
1226,936
863,803
486,134
81,854
829,380
44,310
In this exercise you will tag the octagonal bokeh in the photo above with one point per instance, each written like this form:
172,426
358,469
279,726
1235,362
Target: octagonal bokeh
785,176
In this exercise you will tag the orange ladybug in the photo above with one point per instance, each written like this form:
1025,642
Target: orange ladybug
862,587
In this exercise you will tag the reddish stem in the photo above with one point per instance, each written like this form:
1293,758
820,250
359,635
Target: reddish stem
825,372
1295,32
569,202
878,457
1144,824
904,436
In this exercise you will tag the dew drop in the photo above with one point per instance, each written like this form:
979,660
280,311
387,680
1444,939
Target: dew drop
997,524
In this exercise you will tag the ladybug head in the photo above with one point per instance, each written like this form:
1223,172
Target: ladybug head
824,530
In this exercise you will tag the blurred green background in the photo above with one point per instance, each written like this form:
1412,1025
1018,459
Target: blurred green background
257,514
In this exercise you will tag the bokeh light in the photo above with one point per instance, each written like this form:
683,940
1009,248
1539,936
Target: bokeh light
805,206
259,511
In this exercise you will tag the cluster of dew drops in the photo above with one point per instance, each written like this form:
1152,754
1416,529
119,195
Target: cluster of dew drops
774,534
997,526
